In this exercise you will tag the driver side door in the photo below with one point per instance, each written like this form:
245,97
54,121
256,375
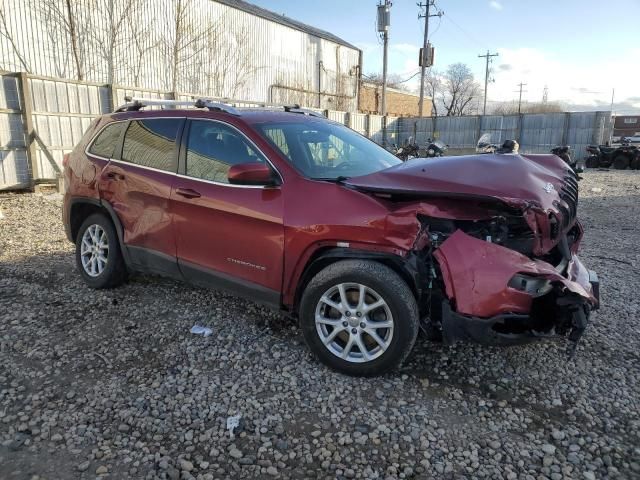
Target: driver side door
228,236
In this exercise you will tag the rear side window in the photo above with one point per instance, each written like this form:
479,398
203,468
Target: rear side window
106,141
212,148
152,143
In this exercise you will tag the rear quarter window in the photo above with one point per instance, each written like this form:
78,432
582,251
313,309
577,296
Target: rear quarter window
152,143
106,141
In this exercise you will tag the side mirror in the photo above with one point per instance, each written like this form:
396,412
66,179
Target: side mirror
252,173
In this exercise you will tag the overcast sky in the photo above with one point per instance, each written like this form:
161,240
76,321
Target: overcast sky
579,49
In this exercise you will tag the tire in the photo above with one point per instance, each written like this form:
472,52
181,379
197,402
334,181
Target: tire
98,274
592,162
341,327
635,163
621,162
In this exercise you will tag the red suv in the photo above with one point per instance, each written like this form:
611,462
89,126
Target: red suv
301,213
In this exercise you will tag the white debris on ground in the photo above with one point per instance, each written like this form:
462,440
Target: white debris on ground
200,330
112,381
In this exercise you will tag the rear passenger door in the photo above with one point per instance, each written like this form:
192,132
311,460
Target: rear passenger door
137,183
228,236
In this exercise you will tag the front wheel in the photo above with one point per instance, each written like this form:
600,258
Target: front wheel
635,163
592,162
359,317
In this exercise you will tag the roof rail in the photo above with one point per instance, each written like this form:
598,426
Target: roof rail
305,111
135,104
294,108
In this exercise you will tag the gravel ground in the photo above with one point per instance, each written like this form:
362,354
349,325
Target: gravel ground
112,384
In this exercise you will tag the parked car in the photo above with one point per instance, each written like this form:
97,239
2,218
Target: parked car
305,215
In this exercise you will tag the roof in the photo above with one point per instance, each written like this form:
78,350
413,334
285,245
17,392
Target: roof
286,21
376,86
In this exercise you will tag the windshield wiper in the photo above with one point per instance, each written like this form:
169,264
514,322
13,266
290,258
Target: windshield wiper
338,179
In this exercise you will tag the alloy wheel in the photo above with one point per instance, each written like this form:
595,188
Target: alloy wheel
354,322
94,250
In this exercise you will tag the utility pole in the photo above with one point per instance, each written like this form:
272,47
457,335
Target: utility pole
426,16
612,121
520,97
487,56
384,23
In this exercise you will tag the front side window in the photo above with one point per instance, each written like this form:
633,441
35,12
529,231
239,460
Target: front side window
212,148
152,143
327,151
106,141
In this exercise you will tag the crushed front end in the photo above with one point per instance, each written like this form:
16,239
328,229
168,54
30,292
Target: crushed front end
492,242
513,277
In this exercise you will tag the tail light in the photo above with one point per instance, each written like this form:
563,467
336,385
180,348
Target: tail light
65,160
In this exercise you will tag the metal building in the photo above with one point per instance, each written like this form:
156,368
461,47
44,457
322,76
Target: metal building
220,48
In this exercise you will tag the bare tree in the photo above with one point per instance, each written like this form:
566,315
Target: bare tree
109,34
232,60
393,81
460,88
206,56
140,41
65,17
5,32
185,42
511,108
433,85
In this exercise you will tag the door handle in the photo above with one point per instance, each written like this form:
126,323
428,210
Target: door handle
187,192
115,176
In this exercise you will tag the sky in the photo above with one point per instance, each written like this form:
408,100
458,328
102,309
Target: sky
580,50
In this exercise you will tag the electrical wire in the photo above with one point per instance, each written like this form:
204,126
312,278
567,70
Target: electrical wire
469,36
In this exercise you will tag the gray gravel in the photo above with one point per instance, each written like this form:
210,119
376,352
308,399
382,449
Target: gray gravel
111,384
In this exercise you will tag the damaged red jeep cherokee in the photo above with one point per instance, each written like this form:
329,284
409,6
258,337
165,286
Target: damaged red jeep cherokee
306,215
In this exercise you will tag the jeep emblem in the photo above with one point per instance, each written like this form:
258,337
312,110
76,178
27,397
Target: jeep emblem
548,188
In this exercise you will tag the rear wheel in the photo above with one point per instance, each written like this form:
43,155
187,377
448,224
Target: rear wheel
98,254
359,317
635,163
591,162
621,162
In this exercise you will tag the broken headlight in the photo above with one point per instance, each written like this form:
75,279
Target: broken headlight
510,231
534,286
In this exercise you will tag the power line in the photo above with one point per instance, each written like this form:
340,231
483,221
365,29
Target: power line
475,40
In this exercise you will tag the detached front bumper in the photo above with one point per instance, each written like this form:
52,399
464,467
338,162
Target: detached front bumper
499,296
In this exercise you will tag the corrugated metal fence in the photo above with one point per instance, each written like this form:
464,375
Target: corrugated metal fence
42,118
536,133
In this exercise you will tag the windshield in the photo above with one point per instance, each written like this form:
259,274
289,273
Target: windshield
327,151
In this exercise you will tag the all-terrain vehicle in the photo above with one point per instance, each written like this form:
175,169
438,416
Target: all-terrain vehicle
295,211
619,157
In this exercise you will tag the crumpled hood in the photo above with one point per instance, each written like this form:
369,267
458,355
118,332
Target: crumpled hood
512,178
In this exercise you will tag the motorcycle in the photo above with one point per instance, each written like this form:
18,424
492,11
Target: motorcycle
485,145
411,150
435,148
564,152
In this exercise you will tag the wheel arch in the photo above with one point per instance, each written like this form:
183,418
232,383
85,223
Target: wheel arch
81,208
325,256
